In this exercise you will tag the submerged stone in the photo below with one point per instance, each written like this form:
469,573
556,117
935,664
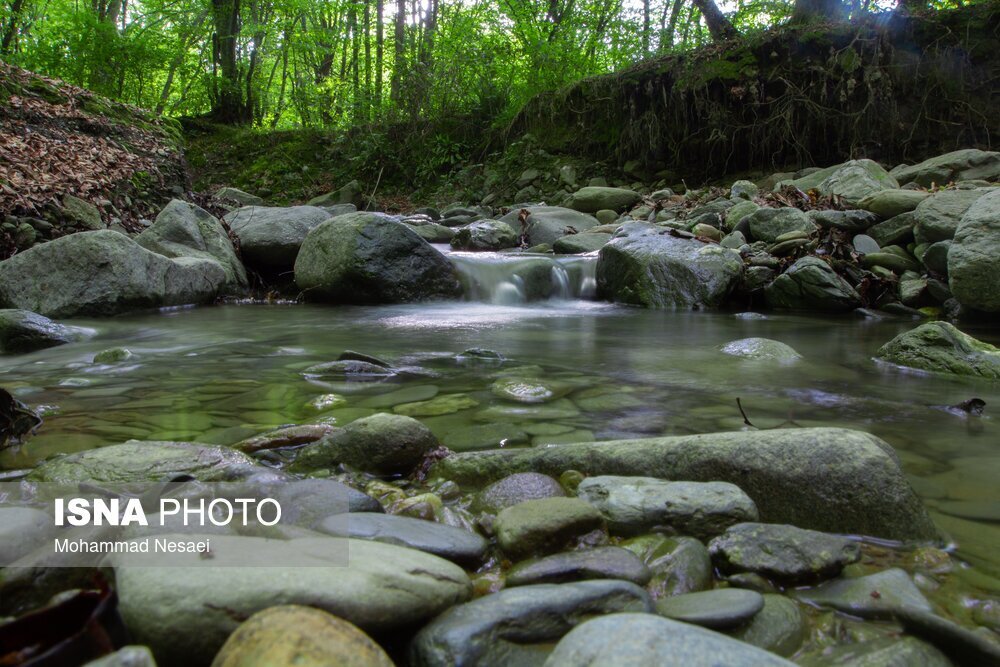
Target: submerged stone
941,348
22,331
878,595
762,349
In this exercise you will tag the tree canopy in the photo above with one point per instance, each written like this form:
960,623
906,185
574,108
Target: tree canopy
342,63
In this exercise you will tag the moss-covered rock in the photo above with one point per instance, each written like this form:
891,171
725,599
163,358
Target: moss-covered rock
973,258
939,347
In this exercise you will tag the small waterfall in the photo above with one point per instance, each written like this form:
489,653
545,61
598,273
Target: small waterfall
511,279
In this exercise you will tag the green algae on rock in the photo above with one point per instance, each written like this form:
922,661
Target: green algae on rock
940,347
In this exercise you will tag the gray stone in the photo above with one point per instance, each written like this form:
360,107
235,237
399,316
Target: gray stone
370,258
850,221
529,390
383,588
185,230
894,231
308,501
545,526
962,165
767,224
513,626
103,273
738,212
851,181
810,284
270,237
238,196
485,235
885,652
644,266
139,461
348,194
828,479
593,199
81,213
574,244
434,233
636,505
782,552
878,595
964,645
938,217
127,656
516,489
939,347
22,331
547,224
890,203
22,530
679,564
645,639
599,563
743,190
382,444
780,627
761,349
974,256
454,544
718,609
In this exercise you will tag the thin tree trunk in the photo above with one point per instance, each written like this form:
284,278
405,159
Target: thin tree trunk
718,25
400,46
379,48
645,28
11,30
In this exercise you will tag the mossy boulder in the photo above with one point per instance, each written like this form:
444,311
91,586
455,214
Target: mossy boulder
484,235
973,259
828,479
937,217
962,165
103,273
270,236
939,347
645,266
767,224
851,181
574,244
811,284
185,230
371,258
890,203
593,199
547,224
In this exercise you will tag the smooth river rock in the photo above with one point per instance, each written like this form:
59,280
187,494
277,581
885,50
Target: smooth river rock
974,257
636,505
22,331
382,589
371,258
878,595
644,265
296,635
717,609
761,349
516,489
811,284
782,552
455,544
829,479
103,273
506,628
646,639
780,627
961,165
548,224
540,527
270,236
599,563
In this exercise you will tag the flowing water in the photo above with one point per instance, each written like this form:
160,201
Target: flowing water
220,374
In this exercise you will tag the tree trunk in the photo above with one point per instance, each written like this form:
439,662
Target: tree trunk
10,32
379,49
400,45
808,11
718,25
645,28
228,105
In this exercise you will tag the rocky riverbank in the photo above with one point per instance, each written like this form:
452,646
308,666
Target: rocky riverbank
784,546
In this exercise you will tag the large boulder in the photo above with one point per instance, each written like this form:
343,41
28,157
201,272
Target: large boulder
828,479
593,199
890,203
185,230
851,181
270,236
974,255
937,217
512,626
811,284
371,258
186,609
547,224
941,348
137,461
962,165
23,331
103,273
485,235
647,639
646,266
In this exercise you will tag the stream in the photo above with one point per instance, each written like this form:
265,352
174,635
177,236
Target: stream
220,374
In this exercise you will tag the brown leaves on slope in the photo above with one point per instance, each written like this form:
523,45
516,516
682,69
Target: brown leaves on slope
55,139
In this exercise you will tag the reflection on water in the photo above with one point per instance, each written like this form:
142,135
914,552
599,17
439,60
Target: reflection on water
218,375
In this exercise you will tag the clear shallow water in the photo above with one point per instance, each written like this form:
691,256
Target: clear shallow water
218,375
